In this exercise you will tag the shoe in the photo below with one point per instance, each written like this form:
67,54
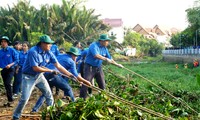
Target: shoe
33,112
8,104
14,118
15,96
66,98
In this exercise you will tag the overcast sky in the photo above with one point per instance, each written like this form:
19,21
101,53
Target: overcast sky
148,13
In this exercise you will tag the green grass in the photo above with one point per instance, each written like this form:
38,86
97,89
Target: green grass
162,73
180,82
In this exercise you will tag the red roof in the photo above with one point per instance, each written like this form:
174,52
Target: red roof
113,22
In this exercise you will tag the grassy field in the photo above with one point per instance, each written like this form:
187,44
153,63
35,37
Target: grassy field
161,73
180,82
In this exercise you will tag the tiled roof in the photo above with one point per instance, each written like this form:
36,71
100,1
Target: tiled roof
156,30
139,29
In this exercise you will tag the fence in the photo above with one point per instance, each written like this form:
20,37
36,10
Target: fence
188,51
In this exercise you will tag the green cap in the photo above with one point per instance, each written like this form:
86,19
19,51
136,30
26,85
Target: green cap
46,39
5,38
74,51
104,37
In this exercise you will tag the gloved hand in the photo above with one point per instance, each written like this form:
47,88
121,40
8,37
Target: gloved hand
109,60
55,72
120,65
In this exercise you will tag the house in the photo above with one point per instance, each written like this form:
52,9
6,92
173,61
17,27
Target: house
117,29
161,34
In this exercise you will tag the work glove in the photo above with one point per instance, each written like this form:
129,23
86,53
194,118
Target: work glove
55,72
109,60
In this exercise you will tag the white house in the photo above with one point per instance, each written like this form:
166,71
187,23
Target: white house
117,29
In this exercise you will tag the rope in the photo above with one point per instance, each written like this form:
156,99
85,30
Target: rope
131,104
123,100
178,99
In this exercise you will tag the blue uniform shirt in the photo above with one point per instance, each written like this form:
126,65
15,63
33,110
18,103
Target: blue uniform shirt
67,62
17,51
79,56
7,56
82,59
37,57
22,58
54,49
84,54
94,49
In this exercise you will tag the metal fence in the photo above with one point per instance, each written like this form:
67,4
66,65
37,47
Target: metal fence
188,51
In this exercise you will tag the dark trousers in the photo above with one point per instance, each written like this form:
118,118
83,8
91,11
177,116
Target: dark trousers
17,82
59,82
91,72
82,74
7,75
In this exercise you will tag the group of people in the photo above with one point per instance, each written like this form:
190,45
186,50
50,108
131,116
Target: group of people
43,67
11,62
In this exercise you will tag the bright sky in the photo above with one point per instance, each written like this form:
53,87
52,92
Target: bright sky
148,13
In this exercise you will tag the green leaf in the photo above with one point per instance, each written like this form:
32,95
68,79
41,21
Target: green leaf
69,114
139,113
116,103
98,114
184,114
111,111
60,103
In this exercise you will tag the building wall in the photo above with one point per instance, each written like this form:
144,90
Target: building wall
118,32
180,59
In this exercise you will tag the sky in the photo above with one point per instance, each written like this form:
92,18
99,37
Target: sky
148,13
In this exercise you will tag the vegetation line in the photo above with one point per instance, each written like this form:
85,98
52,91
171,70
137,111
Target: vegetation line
178,99
131,104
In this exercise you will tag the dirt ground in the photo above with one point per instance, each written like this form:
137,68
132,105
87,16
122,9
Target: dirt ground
6,112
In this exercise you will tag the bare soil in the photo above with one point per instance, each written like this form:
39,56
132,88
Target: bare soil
6,112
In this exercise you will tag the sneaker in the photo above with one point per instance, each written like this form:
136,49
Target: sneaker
15,96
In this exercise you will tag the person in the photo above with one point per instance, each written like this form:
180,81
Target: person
195,63
176,66
81,67
185,65
35,64
68,62
62,50
97,53
8,60
18,80
78,45
17,47
82,60
54,49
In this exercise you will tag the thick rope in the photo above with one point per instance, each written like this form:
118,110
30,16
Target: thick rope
132,104
123,100
178,99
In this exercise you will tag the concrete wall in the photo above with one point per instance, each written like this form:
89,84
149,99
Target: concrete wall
180,59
